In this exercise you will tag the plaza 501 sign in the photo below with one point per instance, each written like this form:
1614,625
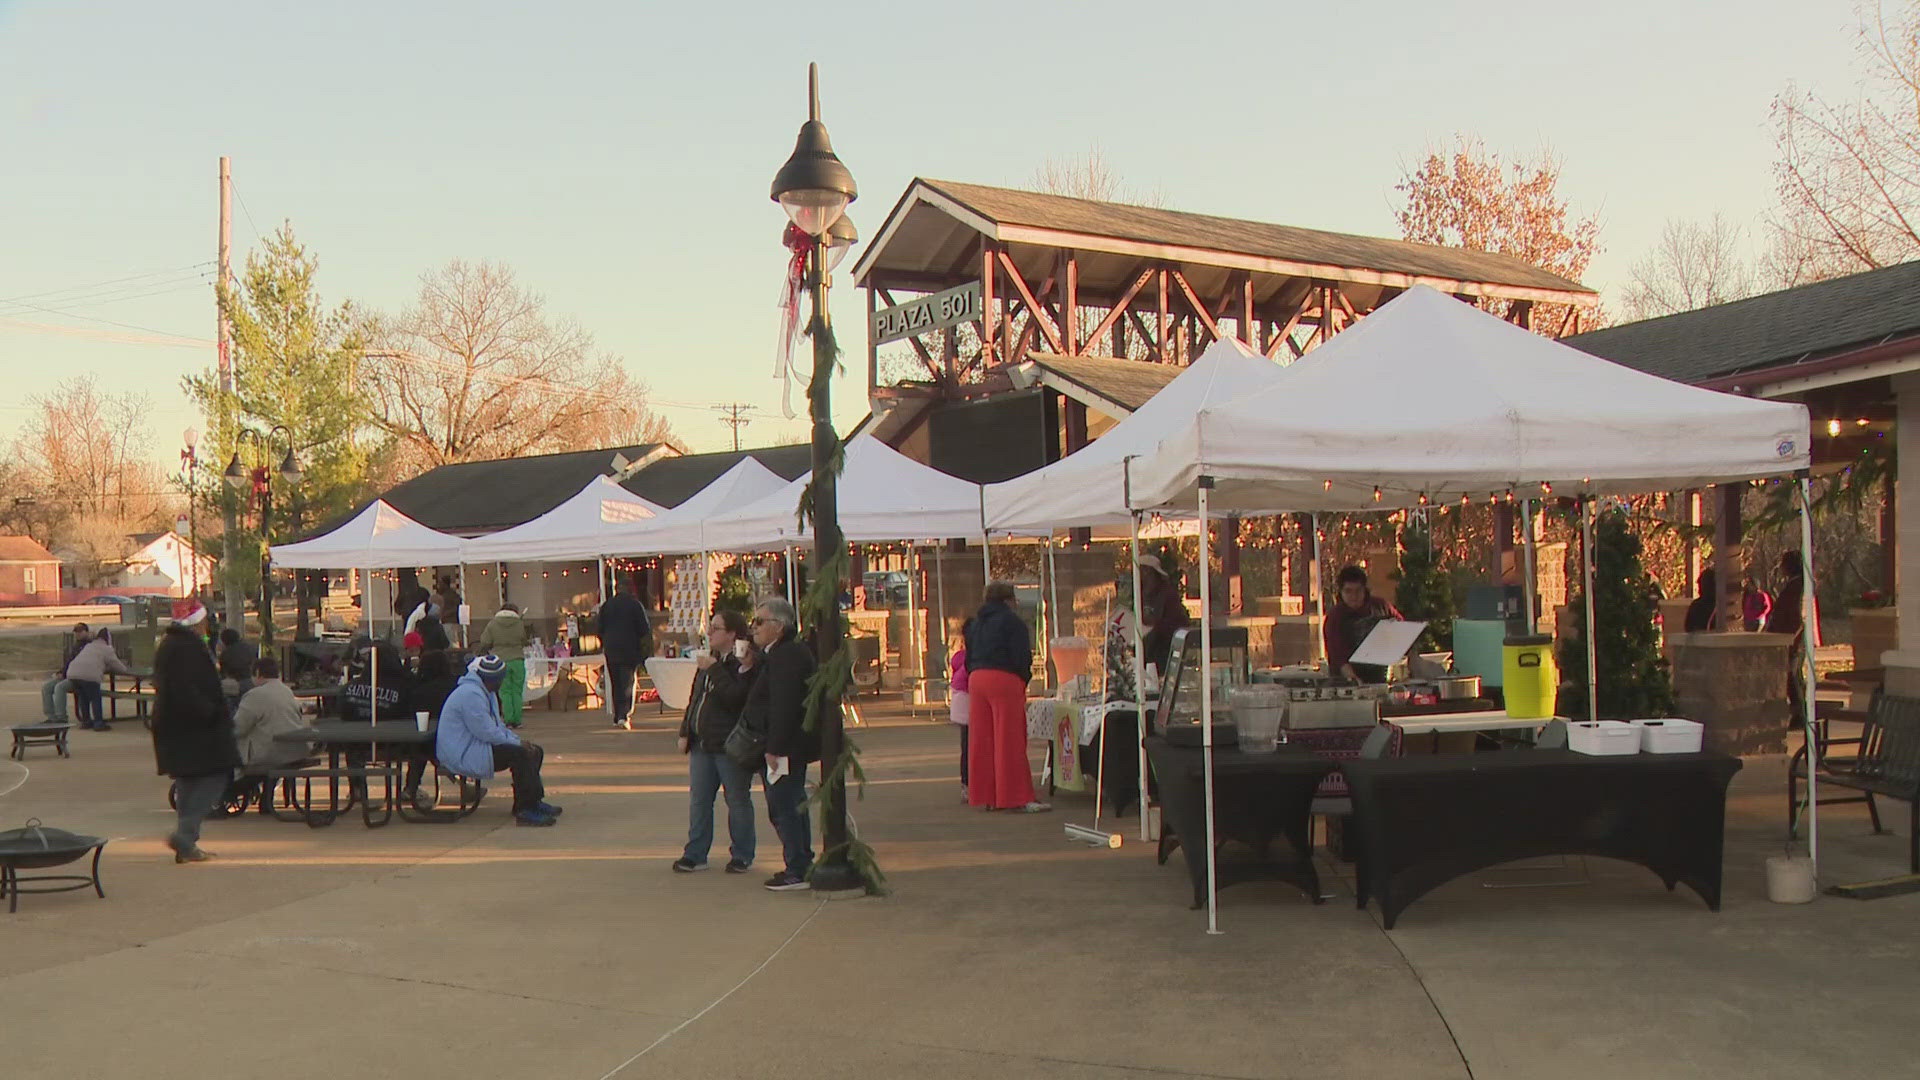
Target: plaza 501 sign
941,309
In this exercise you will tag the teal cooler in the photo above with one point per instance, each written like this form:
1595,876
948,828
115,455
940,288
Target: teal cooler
1479,648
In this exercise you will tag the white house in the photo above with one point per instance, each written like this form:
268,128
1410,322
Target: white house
164,562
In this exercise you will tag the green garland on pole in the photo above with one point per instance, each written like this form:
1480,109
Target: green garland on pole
830,682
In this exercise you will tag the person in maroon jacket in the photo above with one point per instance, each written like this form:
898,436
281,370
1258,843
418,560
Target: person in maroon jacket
1353,617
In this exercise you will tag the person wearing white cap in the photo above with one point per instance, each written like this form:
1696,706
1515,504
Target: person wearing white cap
474,741
192,730
1161,610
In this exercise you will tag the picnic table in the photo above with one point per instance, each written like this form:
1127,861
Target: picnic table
340,739
141,692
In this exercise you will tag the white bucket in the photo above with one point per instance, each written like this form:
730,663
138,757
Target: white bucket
1790,879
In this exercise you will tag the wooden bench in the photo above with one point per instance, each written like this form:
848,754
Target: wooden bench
1886,761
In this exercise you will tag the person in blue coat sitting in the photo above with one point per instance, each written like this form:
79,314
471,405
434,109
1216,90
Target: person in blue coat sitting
474,741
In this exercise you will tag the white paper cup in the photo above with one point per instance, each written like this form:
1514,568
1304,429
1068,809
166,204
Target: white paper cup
740,648
420,720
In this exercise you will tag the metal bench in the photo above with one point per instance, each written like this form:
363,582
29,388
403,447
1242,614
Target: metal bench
428,809
49,733
316,817
1886,761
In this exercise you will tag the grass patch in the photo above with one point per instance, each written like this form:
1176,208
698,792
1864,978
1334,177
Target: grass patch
29,656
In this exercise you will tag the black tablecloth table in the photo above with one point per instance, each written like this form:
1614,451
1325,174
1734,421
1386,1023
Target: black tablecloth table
1256,797
1423,821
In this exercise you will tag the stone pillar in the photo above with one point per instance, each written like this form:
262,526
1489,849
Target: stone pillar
1735,685
1728,533
1903,663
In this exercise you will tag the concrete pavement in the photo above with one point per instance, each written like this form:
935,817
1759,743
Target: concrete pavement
478,950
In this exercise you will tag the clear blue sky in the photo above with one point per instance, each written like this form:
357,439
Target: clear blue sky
617,155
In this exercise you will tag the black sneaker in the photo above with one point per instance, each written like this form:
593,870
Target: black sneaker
687,866
785,882
735,866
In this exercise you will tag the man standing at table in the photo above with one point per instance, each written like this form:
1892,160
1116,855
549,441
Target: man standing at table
192,730
1353,617
626,640
473,741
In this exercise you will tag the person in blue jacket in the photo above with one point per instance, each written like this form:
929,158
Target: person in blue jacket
474,741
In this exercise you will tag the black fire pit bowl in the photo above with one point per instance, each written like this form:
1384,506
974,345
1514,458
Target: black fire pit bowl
36,847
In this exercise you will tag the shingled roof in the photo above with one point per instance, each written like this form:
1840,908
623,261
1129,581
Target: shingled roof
24,549
1775,329
484,496
1306,250
672,481
475,497
1105,382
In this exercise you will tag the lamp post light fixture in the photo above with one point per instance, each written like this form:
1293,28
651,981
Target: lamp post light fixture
814,188
238,478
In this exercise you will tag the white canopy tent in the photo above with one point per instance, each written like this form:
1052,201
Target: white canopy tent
683,528
377,538
1458,404
883,496
1088,487
576,529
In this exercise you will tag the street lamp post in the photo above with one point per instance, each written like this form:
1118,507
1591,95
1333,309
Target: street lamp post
190,467
238,479
814,188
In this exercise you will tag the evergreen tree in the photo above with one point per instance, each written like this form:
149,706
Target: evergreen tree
1423,591
1634,680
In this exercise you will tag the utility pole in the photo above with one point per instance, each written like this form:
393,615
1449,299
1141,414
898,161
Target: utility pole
236,605
735,418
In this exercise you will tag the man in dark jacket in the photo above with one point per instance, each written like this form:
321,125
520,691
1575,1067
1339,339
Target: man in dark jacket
777,706
625,639
727,674
1162,610
192,731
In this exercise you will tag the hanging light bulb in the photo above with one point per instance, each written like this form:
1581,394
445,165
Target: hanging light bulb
1546,488
1833,428
1326,485
1423,498
1376,494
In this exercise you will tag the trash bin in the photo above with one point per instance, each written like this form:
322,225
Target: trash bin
1531,677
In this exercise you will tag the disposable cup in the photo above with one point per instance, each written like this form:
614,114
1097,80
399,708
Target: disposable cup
420,720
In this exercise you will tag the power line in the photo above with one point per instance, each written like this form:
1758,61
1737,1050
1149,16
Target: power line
199,266
735,418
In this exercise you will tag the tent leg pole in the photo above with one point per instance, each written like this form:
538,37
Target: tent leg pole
916,663
1206,703
793,596
1529,583
1049,615
1586,572
1317,643
1810,637
1139,668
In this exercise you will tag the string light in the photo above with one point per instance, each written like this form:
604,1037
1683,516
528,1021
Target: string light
1326,485
1376,494
1423,498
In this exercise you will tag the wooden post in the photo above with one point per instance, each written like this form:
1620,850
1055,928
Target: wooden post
1161,327
1070,302
1889,542
1728,532
1694,519
1076,420
1502,542
873,350
988,354
1248,334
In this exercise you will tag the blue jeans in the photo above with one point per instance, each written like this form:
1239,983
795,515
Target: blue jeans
53,697
706,775
786,808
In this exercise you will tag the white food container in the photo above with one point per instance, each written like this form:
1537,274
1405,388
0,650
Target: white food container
1258,712
1603,737
1669,735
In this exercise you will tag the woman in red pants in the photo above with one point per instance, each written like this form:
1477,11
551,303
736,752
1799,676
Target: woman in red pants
999,664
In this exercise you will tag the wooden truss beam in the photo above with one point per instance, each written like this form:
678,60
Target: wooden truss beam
1034,309
1199,309
1120,307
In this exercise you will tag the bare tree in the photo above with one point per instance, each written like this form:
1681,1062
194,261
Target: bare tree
1090,176
478,369
1695,265
1848,173
1470,197
82,466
